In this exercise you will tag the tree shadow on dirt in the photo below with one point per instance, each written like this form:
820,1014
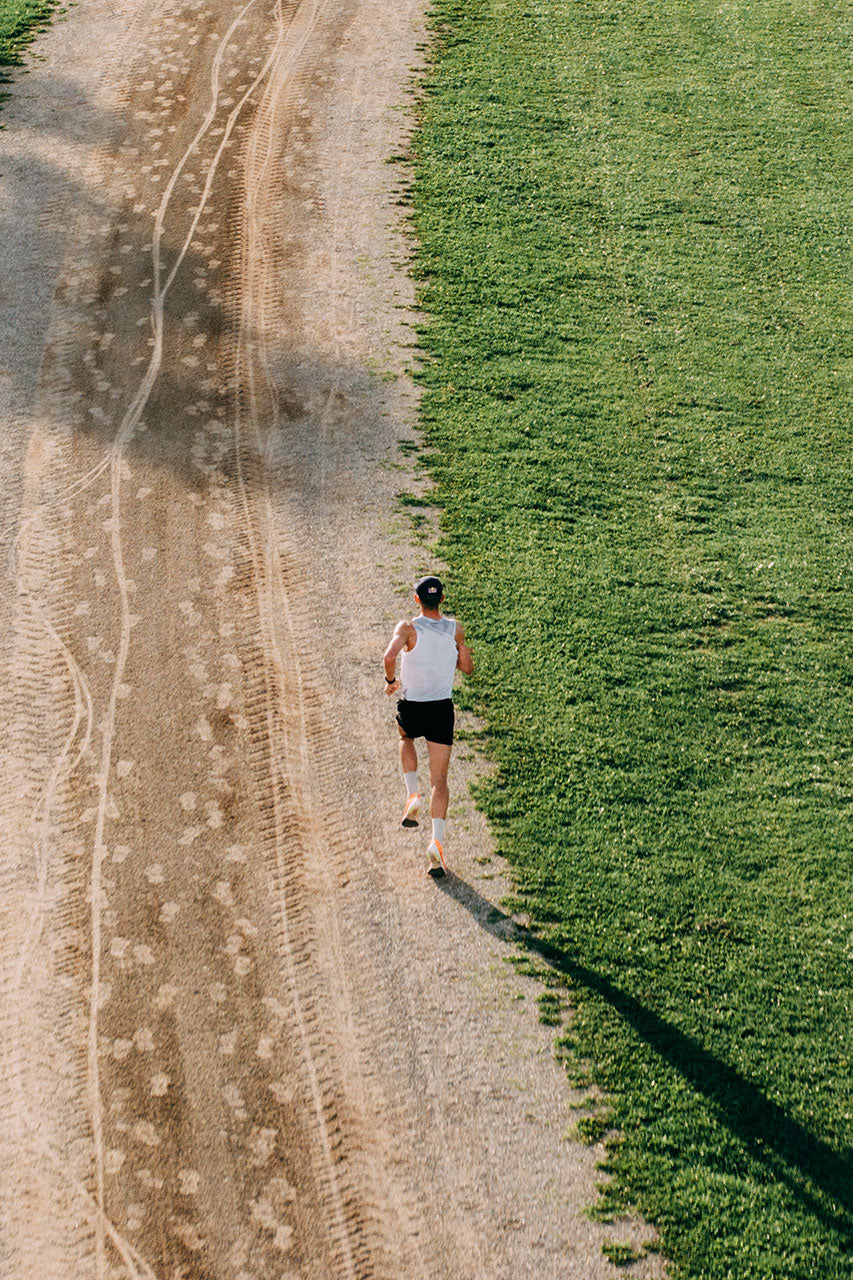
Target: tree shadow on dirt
91,329
788,1152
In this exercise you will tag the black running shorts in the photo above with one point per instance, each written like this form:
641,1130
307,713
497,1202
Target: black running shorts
430,720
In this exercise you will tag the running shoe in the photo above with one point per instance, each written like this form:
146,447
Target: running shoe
412,810
437,866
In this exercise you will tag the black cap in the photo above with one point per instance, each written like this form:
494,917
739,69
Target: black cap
429,591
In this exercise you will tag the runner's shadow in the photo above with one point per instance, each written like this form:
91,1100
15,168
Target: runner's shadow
815,1172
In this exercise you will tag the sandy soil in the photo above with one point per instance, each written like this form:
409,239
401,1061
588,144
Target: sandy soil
244,1035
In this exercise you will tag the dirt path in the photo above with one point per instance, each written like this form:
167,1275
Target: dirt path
244,1035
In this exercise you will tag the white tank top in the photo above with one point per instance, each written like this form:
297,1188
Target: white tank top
427,671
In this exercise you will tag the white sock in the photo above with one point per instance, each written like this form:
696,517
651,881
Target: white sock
411,781
438,830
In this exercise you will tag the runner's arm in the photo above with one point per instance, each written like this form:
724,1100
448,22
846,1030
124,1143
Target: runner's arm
400,640
464,656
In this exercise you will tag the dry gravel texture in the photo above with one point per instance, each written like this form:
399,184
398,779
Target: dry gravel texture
244,1035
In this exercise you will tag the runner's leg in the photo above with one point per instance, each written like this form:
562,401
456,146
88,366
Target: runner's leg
409,762
439,761
408,752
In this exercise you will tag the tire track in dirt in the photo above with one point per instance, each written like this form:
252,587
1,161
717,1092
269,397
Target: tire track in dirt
25,894
125,433
291,754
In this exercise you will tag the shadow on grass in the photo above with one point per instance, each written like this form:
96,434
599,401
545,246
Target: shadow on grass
814,1171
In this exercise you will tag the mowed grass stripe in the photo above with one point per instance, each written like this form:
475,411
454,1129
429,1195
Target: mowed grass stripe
634,228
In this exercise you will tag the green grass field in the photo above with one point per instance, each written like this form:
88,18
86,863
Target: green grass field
20,20
634,228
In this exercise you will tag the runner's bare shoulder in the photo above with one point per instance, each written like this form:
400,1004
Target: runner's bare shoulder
406,631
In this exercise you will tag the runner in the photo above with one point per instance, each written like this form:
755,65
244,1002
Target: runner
433,647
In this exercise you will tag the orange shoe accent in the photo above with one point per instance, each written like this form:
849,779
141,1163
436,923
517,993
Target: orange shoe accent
412,810
437,865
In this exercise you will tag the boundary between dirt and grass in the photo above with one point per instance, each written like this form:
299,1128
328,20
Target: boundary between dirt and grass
20,23
634,258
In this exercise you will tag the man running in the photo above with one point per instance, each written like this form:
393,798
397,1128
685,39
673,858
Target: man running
433,648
